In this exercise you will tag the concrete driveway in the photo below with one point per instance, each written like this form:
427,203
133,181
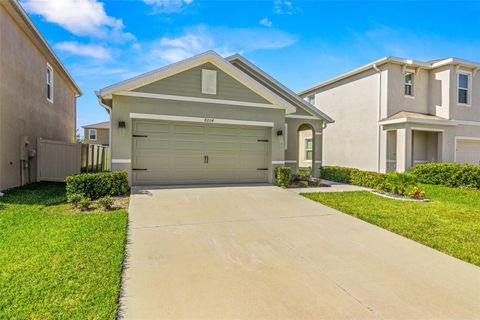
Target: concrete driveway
261,252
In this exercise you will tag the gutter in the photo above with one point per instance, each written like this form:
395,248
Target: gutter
379,110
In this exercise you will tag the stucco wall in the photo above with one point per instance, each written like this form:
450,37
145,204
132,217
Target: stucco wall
102,136
24,108
123,106
352,140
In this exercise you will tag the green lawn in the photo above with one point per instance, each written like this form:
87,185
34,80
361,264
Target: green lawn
57,264
449,223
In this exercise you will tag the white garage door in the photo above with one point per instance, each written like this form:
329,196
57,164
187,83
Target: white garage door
167,152
468,151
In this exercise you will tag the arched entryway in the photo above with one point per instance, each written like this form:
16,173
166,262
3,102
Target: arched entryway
306,146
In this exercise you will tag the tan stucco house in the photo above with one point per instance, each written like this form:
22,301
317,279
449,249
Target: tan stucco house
37,96
97,133
208,119
394,113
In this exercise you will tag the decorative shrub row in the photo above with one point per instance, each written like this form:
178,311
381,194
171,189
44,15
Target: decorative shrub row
393,182
354,176
97,185
448,174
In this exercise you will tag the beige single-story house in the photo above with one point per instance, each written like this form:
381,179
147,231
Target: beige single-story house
97,133
37,96
394,113
208,119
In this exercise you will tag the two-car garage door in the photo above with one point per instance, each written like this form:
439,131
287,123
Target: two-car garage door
167,152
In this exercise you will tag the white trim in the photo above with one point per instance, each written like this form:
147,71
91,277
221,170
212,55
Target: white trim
49,68
295,116
427,129
469,89
278,162
199,120
318,161
318,133
290,161
468,122
195,99
90,135
439,122
195,61
121,160
420,161
286,136
391,161
462,138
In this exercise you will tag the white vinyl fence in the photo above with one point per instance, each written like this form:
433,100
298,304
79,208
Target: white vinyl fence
57,160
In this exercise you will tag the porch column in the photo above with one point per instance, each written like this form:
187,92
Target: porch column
317,154
404,149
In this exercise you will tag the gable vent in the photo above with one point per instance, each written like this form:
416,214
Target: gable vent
209,81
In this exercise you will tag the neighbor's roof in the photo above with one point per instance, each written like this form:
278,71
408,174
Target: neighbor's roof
431,64
273,84
417,115
269,89
21,17
101,125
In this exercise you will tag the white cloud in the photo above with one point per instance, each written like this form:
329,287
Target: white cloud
168,6
225,41
266,22
285,7
86,50
80,17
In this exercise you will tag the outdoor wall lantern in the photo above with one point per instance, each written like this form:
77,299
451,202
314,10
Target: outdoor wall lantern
279,133
121,124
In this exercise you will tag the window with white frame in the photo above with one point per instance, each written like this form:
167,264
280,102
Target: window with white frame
308,149
463,88
92,134
49,83
311,99
409,84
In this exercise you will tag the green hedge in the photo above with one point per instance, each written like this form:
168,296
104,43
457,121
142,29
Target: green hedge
97,185
354,176
448,174
283,176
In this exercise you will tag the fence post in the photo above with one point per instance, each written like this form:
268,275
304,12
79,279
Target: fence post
87,147
93,155
103,159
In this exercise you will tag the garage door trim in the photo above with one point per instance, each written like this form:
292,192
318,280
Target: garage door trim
149,116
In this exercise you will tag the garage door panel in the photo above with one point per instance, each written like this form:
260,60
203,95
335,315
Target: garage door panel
468,151
175,153
151,144
151,127
189,129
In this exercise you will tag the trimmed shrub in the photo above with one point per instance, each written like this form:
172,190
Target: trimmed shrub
400,183
106,202
97,185
283,176
84,204
448,174
354,176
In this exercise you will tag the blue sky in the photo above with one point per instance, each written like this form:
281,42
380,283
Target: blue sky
299,43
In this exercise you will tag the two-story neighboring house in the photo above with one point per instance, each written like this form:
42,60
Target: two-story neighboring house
394,113
97,133
37,96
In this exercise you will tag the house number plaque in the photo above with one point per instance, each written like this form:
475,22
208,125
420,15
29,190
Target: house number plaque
209,120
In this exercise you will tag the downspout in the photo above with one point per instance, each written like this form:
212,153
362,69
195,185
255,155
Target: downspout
379,110
109,110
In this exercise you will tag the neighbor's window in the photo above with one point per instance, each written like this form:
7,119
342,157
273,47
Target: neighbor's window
49,83
463,88
308,149
409,84
92,134
311,99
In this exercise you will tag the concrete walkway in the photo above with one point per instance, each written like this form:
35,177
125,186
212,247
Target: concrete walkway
261,252
332,187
